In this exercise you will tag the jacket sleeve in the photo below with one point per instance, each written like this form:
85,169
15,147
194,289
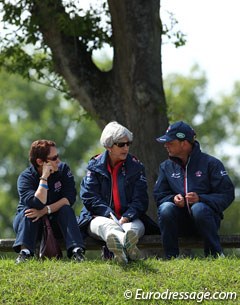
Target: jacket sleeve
222,189
162,191
91,196
27,186
69,189
139,204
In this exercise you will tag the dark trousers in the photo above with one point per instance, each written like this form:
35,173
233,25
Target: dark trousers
175,222
63,221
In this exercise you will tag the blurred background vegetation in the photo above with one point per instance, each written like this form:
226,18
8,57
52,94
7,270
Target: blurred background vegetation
31,111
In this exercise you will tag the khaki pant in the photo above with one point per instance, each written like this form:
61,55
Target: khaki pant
100,227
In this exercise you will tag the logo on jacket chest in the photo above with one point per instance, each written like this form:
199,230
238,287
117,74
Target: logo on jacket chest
178,175
198,174
57,186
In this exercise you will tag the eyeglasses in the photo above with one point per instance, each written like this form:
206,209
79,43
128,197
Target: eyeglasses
54,158
122,144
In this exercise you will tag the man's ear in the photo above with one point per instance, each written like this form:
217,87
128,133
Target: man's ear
39,162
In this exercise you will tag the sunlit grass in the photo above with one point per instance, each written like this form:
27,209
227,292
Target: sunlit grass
97,282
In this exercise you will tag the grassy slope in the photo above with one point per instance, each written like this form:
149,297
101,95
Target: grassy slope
97,282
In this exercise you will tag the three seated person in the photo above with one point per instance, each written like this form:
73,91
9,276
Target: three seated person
191,192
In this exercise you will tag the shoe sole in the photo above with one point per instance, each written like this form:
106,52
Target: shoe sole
131,240
115,246
21,260
78,259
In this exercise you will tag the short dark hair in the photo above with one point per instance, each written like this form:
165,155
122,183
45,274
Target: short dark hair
40,149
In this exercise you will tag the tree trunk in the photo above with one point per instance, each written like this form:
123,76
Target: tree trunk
138,76
132,92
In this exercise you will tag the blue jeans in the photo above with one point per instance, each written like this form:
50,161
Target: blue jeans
64,224
175,222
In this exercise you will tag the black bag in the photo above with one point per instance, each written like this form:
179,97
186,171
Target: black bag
49,246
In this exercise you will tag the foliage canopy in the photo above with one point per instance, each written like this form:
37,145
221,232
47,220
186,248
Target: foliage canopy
30,112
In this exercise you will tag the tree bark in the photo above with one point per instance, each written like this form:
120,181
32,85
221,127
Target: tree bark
132,92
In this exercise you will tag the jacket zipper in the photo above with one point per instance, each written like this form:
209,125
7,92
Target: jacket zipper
186,186
110,203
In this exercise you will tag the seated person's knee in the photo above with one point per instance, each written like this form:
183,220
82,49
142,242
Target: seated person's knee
166,209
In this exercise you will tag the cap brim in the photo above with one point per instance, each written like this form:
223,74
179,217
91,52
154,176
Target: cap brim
164,139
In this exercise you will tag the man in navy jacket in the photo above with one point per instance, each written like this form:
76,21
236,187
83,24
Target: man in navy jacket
192,191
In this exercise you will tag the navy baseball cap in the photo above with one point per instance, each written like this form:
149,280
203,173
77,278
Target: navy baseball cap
178,131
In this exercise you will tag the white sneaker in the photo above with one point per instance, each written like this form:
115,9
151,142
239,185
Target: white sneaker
115,246
130,244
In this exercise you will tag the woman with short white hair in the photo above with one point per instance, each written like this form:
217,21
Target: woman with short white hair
114,194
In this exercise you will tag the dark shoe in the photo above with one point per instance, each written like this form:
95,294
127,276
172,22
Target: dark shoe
22,257
106,253
78,256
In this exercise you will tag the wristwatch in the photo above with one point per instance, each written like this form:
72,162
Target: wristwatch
49,211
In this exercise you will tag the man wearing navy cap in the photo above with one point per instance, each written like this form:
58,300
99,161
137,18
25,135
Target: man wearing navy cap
192,191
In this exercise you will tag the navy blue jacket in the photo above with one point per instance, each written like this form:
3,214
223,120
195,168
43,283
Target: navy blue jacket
203,174
61,185
96,189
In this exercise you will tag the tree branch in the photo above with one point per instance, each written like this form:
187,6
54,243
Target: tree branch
71,58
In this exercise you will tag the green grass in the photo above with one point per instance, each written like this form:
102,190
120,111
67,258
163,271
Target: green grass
97,282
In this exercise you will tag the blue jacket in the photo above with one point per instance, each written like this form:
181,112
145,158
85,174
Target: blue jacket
96,189
203,174
61,184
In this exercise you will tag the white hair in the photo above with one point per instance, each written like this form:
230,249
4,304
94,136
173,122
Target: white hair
113,132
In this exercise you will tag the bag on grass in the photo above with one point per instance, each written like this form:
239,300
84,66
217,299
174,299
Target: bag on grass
49,246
